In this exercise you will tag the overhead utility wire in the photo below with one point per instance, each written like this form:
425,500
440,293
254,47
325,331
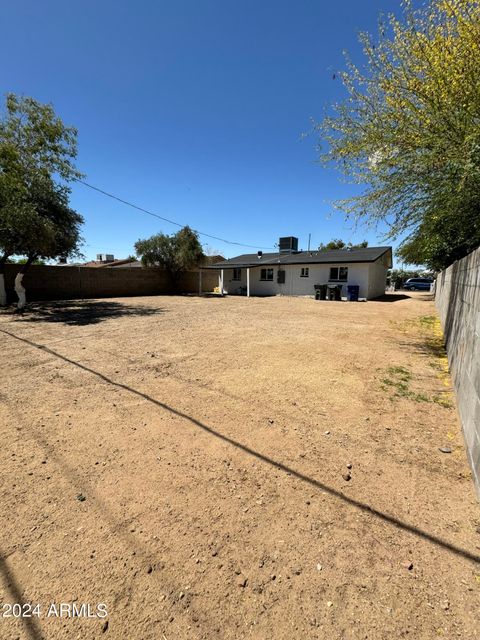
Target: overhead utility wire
156,215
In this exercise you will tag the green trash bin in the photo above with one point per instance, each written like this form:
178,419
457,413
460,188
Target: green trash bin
320,291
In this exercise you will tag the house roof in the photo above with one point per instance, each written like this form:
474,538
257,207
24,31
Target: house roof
336,256
213,259
124,263
137,264
93,263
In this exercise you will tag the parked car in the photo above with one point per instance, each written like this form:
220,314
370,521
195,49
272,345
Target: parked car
418,284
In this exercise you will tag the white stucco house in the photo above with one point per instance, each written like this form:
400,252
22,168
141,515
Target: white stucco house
299,273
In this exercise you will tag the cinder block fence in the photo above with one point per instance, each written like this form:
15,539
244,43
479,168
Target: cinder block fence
458,302
68,283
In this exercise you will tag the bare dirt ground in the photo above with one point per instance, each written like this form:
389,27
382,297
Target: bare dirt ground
184,461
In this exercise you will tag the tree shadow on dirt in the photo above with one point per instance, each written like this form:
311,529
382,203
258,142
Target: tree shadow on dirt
391,297
83,312
357,504
396,297
426,346
210,295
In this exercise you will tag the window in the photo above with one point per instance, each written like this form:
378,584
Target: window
266,274
339,274
304,272
237,274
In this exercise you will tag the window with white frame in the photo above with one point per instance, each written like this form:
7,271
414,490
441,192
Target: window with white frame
237,274
338,274
266,274
304,272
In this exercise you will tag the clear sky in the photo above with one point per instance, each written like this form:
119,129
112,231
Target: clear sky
193,109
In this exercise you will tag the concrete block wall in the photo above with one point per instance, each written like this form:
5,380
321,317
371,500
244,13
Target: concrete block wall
457,298
189,281
68,283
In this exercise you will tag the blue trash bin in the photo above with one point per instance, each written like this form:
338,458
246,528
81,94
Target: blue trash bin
352,293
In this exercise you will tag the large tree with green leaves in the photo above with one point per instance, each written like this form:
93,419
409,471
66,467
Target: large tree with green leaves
37,153
409,131
336,243
176,253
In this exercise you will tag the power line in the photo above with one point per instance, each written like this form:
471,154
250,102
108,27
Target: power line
177,224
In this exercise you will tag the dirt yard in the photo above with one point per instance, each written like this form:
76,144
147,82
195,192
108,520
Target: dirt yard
186,462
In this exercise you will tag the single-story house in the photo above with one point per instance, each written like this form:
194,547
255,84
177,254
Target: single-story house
297,273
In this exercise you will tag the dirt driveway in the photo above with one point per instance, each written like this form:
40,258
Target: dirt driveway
234,468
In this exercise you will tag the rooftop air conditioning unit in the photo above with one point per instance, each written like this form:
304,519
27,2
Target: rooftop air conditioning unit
288,244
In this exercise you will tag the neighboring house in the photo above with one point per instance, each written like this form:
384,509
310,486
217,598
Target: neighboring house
109,260
295,273
128,263
135,264
103,259
212,260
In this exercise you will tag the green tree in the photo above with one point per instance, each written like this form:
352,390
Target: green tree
176,253
409,131
440,240
36,162
340,244
38,261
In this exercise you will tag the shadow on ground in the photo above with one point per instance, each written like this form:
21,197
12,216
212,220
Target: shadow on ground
395,297
471,556
83,312
427,346
213,296
391,297
15,590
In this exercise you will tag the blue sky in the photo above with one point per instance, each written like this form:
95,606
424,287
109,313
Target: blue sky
194,110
